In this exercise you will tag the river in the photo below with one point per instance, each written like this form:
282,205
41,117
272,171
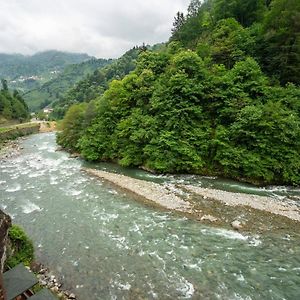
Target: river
105,245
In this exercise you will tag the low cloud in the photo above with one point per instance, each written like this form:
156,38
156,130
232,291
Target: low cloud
98,27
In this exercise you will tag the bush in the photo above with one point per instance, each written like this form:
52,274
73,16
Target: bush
21,247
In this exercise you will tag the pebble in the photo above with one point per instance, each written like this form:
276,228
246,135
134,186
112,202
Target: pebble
209,218
237,225
46,279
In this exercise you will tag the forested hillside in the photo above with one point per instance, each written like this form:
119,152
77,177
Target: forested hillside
27,72
54,89
94,85
12,106
222,98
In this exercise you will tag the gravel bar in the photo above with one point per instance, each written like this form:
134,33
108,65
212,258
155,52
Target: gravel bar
149,190
268,204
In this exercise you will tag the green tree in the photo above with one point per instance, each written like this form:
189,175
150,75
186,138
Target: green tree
72,127
279,42
246,12
230,42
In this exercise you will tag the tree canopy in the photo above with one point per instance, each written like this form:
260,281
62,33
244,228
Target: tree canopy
207,103
12,105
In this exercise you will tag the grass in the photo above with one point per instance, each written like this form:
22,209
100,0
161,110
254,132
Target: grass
18,126
21,247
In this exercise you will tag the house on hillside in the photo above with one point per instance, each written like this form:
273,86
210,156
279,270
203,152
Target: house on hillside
47,110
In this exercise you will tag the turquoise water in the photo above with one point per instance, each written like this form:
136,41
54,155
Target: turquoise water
105,245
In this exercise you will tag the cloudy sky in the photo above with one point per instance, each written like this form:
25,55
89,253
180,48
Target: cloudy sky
103,28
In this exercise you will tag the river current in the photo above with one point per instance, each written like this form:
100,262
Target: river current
105,245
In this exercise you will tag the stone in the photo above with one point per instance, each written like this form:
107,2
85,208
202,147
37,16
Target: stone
43,271
209,218
43,282
72,296
237,225
74,155
54,289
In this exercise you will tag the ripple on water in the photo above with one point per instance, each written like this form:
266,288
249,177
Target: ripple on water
14,188
229,234
30,207
127,248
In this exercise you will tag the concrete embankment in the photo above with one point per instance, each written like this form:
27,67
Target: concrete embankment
150,191
18,130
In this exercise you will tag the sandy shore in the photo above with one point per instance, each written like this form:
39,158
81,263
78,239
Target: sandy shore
151,191
267,204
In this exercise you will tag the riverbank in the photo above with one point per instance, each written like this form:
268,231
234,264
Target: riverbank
153,192
12,132
262,203
210,205
102,242
46,126
10,148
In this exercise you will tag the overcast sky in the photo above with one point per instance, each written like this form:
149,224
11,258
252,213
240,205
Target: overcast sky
103,28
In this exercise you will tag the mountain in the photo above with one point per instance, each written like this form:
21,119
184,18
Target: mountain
55,88
94,84
24,72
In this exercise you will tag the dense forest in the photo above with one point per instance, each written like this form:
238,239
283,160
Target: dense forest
221,98
12,105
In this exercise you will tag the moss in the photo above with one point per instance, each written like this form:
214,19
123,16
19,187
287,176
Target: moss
21,247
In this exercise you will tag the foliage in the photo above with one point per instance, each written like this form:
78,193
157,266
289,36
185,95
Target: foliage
202,104
94,85
279,41
12,106
71,126
233,29
25,73
21,247
54,89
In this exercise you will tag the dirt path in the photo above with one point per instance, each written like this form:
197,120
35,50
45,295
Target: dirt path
47,126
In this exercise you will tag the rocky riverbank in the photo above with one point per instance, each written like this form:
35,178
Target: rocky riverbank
50,281
262,203
239,211
153,192
10,148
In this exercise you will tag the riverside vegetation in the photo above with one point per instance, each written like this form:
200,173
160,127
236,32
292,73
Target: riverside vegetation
20,247
221,98
12,105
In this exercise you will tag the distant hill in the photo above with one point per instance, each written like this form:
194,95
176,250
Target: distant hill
55,88
24,72
93,85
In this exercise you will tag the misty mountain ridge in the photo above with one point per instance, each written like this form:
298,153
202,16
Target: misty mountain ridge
24,72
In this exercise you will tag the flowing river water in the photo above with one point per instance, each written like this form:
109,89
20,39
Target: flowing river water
105,245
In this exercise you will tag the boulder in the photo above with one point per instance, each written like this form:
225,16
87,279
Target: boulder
237,225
